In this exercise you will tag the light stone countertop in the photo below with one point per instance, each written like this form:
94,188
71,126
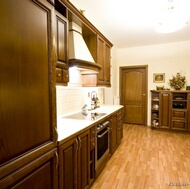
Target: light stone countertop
67,127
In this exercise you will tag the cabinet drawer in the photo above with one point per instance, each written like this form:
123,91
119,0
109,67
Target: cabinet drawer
62,76
179,114
120,122
179,125
65,76
120,115
59,75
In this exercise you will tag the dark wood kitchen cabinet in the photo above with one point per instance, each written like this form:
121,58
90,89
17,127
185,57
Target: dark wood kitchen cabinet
170,110
113,133
92,154
120,115
61,40
39,173
165,108
74,162
160,109
103,59
116,130
27,95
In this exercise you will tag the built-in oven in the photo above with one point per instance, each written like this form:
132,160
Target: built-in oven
102,146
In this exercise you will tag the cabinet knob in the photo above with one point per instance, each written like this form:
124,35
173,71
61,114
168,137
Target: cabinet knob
59,75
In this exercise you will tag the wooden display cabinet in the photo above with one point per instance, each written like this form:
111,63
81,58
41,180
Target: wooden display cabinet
170,110
179,111
155,104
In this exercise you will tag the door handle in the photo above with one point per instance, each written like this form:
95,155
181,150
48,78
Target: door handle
143,94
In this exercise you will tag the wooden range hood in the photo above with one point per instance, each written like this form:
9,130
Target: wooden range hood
79,54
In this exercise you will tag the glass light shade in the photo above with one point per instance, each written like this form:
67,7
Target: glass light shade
172,19
169,26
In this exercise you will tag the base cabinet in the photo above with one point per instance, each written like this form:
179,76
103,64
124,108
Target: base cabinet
170,110
120,126
116,130
74,162
113,133
38,174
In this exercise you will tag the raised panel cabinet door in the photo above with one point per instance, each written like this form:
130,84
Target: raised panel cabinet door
38,174
179,125
100,59
84,160
62,42
165,109
27,117
68,155
113,137
107,64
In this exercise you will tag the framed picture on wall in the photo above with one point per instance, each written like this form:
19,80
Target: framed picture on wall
159,77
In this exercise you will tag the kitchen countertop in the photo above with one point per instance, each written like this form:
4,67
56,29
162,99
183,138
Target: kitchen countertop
68,127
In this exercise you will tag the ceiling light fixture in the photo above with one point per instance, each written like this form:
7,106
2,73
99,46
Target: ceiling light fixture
173,18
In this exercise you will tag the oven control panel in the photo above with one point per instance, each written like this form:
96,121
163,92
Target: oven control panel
102,126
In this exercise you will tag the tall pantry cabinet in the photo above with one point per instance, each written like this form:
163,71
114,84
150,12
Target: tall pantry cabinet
28,154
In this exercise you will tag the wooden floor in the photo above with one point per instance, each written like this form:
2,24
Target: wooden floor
148,159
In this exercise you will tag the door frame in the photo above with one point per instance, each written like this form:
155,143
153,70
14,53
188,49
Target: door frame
123,68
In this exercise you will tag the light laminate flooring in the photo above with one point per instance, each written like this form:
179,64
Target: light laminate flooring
148,159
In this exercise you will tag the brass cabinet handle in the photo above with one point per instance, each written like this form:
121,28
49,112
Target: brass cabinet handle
57,160
77,144
55,134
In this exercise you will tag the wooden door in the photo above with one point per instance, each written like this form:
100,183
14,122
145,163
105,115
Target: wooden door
27,116
133,94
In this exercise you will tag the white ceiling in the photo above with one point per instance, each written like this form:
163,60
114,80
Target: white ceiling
130,23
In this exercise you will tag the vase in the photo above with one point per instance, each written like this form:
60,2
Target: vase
177,88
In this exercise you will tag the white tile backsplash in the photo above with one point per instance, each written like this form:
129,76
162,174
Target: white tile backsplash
70,99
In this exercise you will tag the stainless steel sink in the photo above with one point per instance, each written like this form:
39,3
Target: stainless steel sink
86,115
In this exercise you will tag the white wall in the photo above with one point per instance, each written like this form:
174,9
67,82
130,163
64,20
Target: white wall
164,58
